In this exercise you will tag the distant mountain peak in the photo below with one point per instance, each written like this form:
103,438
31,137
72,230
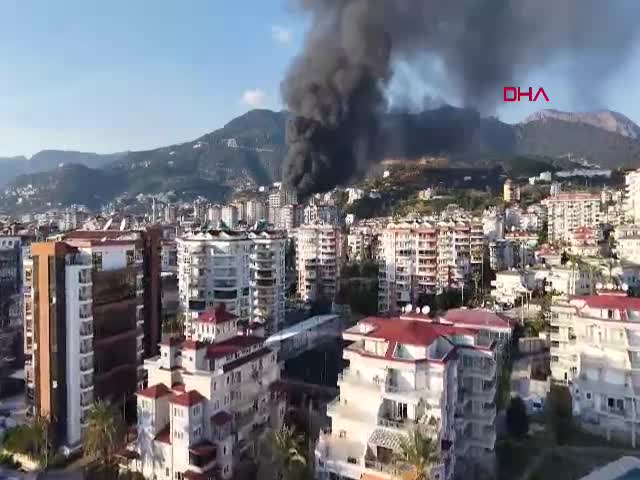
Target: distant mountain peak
605,119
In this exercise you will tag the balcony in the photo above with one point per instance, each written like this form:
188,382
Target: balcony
86,365
86,347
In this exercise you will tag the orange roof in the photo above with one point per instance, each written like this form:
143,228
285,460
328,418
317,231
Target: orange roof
155,391
188,399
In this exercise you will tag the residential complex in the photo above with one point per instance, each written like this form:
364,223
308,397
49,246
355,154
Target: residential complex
207,402
435,375
567,212
362,244
10,299
245,271
595,349
426,258
318,257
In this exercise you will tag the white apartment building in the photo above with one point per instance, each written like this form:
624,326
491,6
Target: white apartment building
426,257
362,244
595,348
415,373
318,258
256,211
229,216
569,211
632,197
508,287
207,404
244,271
572,279
627,239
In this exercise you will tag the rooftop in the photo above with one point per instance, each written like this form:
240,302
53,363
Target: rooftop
476,318
218,315
155,391
612,302
188,399
233,345
404,330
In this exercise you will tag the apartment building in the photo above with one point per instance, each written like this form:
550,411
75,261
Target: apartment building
510,192
426,258
362,244
229,216
595,348
583,241
256,211
84,319
318,258
10,299
568,211
321,213
207,403
415,373
632,196
245,271
627,242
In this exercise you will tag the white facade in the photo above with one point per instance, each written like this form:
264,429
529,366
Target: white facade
632,197
243,271
595,346
508,287
627,239
318,257
569,211
426,257
229,216
407,371
207,404
362,244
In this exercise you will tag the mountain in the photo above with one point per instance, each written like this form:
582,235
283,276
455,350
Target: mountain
613,122
48,160
68,184
249,150
565,136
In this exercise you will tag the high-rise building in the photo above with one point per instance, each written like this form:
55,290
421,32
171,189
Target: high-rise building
318,257
632,197
208,402
229,216
510,192
426,257
362,244
85,328
569,211
256,211
415,372
244,271
316,213
10,299
214,215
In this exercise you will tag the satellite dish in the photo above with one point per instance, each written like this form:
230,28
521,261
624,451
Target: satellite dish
625,287
425,310
408,308
610,286
599,285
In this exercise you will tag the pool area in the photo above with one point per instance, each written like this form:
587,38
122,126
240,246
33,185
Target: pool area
625,468
633,474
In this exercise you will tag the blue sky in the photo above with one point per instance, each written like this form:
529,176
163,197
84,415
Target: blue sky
126,75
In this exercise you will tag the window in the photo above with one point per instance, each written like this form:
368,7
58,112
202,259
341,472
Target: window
195,411
166,472
588,395
130,258
96,260
610,402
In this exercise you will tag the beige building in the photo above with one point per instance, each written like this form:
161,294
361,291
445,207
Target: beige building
567,212
318,258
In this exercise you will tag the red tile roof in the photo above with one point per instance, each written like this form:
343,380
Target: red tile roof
172,341
188,399
193,345
221,418
219,315
233,345
476,318
408,332
164,435
613,302
246,359
212,474
177,387
155,391
204,448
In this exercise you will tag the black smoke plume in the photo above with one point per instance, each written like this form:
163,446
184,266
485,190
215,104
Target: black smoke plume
336,87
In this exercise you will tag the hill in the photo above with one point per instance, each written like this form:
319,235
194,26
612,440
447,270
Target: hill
249,150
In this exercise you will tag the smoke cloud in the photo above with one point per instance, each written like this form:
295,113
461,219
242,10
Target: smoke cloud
335,89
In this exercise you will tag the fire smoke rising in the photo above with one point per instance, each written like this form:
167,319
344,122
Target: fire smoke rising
335,89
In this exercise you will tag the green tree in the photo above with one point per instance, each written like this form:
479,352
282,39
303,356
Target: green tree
559,413
517,418
104,435
34,440
420,452
282,453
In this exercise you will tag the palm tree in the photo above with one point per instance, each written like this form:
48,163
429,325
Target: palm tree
420,452
104,434
284,450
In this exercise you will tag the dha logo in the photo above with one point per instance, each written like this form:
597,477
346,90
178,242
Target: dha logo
513,94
